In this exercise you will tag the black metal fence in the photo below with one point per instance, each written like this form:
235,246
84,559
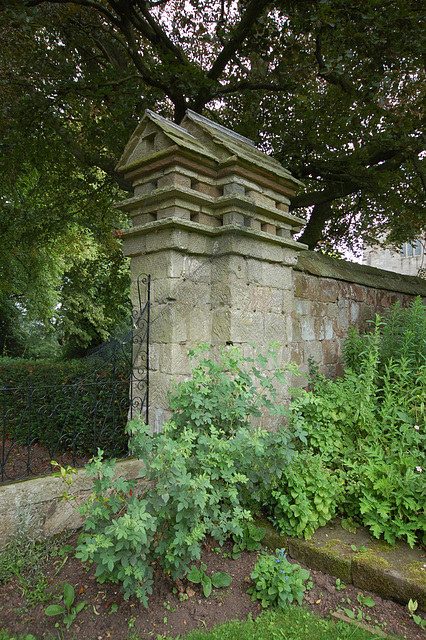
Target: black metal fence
66,418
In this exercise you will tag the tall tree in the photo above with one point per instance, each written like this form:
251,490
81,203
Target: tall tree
334,88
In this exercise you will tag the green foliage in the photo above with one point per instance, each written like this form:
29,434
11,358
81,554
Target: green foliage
27,557
120,532
307,497
277,582
401,339
339,109
295,623
62,272
199,576
70,610
412,608
250,540
204,478
386,491
95,300
47,401
226,394
371,426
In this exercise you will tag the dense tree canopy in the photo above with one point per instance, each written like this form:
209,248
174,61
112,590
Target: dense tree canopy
335,89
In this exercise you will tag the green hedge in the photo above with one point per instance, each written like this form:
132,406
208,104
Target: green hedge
65,404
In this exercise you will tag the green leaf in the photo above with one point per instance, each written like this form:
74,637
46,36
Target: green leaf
54,610
194,575
207,585
220,579
349,613
68,595
80,606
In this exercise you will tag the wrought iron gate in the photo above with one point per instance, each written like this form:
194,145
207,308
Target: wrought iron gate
67,418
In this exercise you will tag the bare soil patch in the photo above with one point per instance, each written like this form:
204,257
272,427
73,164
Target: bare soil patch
175,609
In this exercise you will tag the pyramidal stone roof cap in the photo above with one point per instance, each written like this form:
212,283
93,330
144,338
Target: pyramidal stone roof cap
236,145
177,134
206,137
224,131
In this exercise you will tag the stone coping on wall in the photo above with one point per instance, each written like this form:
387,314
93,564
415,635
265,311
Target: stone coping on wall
318,264
33,506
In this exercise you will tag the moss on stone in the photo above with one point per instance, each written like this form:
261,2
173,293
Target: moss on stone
371,558
330,558
381,546
417,571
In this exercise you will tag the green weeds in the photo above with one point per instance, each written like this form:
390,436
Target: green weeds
207,472
277,581
27,559
199,576
69,610
412,608
367,431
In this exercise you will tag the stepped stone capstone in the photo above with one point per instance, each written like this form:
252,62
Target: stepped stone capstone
201,172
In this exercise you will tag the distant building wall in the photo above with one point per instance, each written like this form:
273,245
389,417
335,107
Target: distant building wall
409,260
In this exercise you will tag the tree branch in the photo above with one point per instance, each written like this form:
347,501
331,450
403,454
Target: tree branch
160,34
89,159
82,3
419,169
313,232
328,74
254,10
345,188
255,86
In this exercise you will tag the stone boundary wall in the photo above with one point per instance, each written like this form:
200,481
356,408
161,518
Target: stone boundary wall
31,506
323,298
331,295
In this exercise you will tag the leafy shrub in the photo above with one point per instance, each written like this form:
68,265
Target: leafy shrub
277,581
204,476
307,497
402,337
371,425
227,393
386,486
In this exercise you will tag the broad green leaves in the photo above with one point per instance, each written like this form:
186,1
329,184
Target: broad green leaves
199,576
203,478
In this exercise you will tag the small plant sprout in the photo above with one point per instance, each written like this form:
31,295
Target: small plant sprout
340,586
277,581
358,614
365,601
66,474
68,611
412,608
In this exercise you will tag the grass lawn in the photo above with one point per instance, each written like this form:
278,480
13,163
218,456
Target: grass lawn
291,623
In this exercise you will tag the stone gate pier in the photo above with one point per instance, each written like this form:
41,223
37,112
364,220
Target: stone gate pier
211,224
